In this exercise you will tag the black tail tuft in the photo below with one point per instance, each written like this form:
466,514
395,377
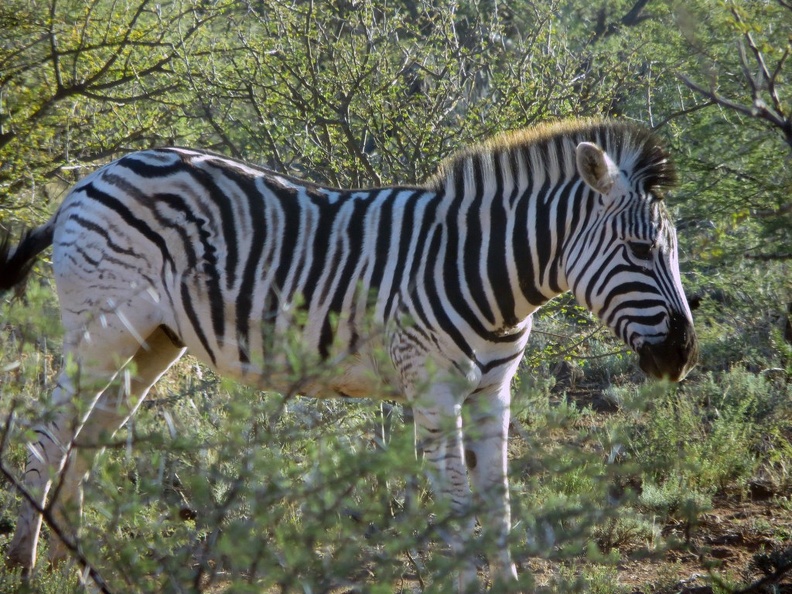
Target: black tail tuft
16,264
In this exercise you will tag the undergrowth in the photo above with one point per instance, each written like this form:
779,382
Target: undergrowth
215,487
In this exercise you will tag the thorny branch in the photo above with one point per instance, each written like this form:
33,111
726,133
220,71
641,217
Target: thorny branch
769,582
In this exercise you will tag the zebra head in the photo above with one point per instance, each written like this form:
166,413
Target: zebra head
624,265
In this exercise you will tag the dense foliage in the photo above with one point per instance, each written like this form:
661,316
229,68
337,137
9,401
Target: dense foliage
214,488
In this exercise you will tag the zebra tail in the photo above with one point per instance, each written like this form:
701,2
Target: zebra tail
16,264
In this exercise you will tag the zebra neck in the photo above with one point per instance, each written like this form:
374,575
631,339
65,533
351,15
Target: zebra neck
543,210
507,230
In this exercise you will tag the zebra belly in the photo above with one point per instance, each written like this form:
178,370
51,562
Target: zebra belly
351,376
287,360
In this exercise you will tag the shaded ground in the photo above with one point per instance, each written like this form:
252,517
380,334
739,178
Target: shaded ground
745,538
724,544
725,541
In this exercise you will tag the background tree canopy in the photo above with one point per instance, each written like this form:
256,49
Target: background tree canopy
293,495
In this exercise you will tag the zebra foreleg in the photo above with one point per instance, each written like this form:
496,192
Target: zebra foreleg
438,424
486,458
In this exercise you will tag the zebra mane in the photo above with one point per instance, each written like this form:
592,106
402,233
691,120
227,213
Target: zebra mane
634,149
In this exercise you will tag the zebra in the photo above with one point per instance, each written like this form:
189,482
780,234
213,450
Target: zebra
171,250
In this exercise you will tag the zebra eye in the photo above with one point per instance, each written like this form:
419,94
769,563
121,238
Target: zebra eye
640,249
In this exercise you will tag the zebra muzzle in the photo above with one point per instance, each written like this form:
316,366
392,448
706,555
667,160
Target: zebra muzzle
675,356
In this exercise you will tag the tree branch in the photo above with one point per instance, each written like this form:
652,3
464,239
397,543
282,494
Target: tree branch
768,257
758,110
632,18
768,79
682,112
766,213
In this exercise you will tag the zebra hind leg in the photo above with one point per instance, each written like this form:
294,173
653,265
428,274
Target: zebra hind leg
114,408
59,460
45,459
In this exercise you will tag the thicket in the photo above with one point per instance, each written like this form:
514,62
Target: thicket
213,487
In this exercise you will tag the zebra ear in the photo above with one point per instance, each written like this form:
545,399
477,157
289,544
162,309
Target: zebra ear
595,167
